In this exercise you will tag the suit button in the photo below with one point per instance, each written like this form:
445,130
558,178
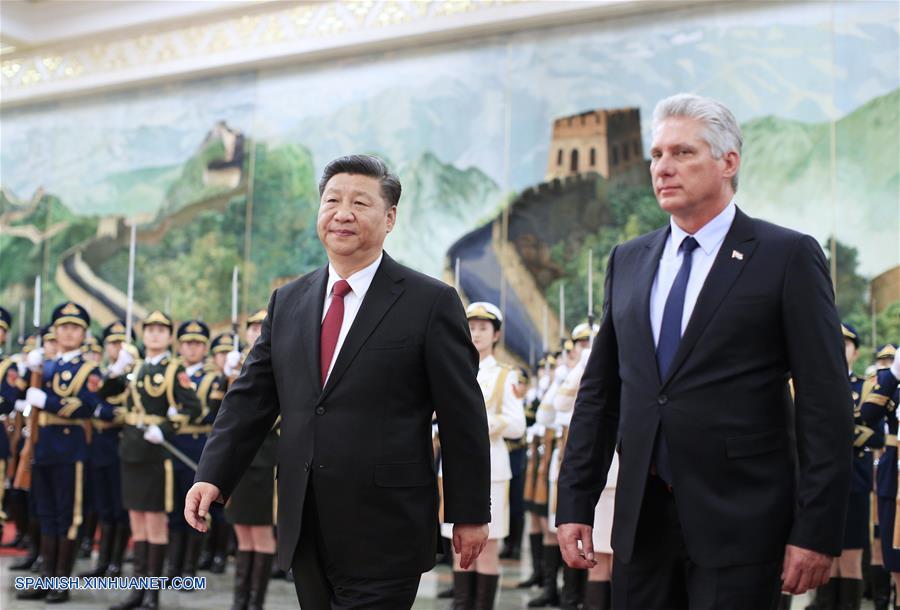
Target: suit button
306,466
320,410
662,399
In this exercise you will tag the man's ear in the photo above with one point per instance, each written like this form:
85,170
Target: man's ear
391,218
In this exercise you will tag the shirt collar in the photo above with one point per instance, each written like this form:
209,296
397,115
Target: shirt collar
359,281
711,235
159,358
68,356
487,362
194,368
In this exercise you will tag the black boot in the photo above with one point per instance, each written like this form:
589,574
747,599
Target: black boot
220,552
243,561
850,591
550,566
156,556
486,590
881,587
597,595
87,540
193,542
536,578
120,544
139,562
573,588
826,596
259,579
34,545
48,552
104,554
175,563
512,549
65,561
464,587
784,602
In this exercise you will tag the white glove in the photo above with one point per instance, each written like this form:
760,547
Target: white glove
35,360
895,366
543,383
559,375
545,416
22,366
172,412
232,364
36,397
21,406
153,435
123,361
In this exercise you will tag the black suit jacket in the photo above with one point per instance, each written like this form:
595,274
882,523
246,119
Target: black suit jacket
752,470
364,441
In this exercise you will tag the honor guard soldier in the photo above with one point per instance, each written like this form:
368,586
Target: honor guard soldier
67,397
11,390
226,361
161,397
845,588
107,422
882,391
193,347
24,499
518,449
477,586
252,509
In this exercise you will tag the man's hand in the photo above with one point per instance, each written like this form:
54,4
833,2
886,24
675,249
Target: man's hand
36,397
232,366
196,504
123,361
569,534
468,541
804,570
35,360
153,434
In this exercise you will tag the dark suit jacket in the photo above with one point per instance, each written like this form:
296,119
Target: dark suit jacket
364,441
752,471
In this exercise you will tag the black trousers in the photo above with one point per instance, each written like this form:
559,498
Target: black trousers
661,576
319,588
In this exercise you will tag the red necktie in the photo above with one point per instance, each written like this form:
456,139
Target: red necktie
331,325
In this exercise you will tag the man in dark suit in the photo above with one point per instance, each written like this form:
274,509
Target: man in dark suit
728,490
356,357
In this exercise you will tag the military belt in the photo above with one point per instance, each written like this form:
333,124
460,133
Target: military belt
144,419
49,419
195,429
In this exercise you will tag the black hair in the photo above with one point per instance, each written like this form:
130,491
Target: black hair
364,165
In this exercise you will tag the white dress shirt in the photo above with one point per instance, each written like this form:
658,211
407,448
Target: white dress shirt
359,285
158,357
710,238
190,370
68,356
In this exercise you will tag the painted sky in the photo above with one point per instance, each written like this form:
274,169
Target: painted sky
470,103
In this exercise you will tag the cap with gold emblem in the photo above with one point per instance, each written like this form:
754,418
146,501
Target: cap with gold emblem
159,318
47,333
70,313
888,350
115,331
5,319
256,317
850,334
223,343
91,345
482,310
193,330
582,332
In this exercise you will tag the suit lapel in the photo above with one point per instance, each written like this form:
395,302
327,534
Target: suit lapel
645,274
381,295
725,270
308,312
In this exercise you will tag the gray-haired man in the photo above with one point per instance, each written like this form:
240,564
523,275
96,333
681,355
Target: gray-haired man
704,323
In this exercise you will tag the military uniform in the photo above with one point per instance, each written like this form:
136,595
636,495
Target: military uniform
882,392
107,421
190,438
69,396
506,419
12,389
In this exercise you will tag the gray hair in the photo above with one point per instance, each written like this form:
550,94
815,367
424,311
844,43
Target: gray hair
722,132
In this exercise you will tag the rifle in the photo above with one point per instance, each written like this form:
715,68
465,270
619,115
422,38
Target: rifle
22,480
